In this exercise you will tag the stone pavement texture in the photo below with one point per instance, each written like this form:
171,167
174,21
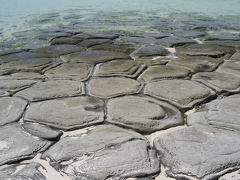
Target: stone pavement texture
105,105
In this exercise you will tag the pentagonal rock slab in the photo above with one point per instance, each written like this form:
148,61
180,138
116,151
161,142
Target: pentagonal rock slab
223,113
17,144
221,82
173,41
143,114
127,68
196,63
113,86
154,73
11,109
68,113
51,89
230,67
71,71
199,152
152,50
102,152
94,56
182,93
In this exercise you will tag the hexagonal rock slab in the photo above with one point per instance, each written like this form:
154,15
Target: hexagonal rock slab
182,93
102,152
173,41
152,50
143,114
151,60
136,40
24,76
199,152
221,82
92,42
154,73
51,89
113,87
127,68
223,36
70,71
67,113
223,113
22,172
17,144
236,56
230,67
11,109
65,40
94,56
57,50
196,63
226,43
114,47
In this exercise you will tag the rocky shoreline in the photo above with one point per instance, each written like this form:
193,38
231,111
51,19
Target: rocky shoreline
115,105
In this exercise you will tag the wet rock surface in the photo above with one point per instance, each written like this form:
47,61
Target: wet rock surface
175,41
152,50
230,67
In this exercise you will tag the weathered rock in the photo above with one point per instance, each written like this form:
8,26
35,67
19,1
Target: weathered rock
136,40
234,44
154,73
21,56
152,60
173,41
17,144
182,93
24,171
236,56
52,35
127,68
154,35
42,131
114,47
96,35
223,113
24,76
67,113
103,152
65,40
152,50
113,87
10,51
143,114
235,175
199,152
189,34
92,42
223,36
94,56
51,89
58,50
71,71
11,109
231,67
221,82
196,63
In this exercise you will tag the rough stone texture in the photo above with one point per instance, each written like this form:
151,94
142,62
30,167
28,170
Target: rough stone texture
236,56
96,35
221,82
114,47
136,40
21,56
200,152
189,33
113,86
154,73
182,93
230,67
51,89
24,171
52,35
57,50
223,36
104,152
196,63
234,44
11,109
223,113
152,50
152,60
173,41
10,51
143,114
42,131
70,71
92,42
154,35
16,144
24,76
67,113
65,40
94,56
127,68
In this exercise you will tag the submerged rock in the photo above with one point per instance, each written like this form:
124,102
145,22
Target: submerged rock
92,42
114,47
173,41
223,36
152,50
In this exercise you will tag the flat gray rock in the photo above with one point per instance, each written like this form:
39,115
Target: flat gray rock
158,72
105,151
24,76
182,93
70,71
51,89
96,35
136,40
24,171
17,144
199,152
127,68
173,41
92,42
221,82
156,35
113,87
94,56
223,36
65,40
67,113
143,114
11,109
236,56
196,63
222,113
226,43
152,50
152,60
21,56
42,131
127,48
52,35
230,67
